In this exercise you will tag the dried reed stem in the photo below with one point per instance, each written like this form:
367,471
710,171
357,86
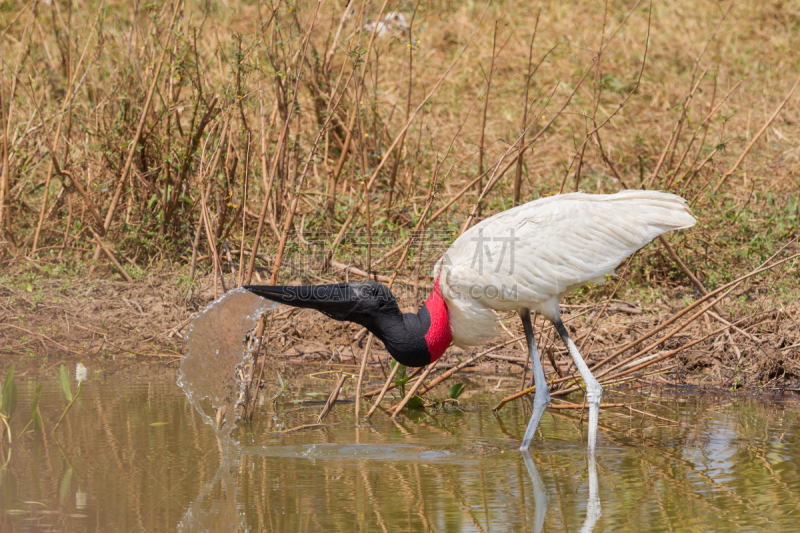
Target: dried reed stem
755,139
139,129
332,398
413,390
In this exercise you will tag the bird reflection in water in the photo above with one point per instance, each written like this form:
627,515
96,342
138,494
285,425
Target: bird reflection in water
541,497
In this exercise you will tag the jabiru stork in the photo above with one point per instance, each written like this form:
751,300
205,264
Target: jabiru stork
526,258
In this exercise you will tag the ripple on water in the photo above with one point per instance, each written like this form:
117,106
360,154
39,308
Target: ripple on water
393,452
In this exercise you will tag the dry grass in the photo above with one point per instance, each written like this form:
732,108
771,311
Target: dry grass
181,145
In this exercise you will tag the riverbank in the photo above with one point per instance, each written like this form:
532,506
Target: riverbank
47,316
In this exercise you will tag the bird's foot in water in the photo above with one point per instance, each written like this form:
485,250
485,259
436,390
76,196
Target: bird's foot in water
594,394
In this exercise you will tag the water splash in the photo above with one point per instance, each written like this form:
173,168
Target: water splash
212,372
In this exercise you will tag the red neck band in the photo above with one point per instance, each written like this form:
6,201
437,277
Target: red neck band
438,336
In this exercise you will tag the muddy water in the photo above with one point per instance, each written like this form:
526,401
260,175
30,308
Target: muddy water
134,455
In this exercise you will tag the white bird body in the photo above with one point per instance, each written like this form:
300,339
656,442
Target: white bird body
530,256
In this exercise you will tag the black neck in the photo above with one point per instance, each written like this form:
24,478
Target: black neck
403,334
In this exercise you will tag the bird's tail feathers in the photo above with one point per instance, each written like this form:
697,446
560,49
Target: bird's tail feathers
663,211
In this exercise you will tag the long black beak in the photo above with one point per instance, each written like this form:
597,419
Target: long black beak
337,300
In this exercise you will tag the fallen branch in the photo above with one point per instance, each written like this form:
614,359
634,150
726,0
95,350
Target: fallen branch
684,311
389,382
413,390
582,406
615,377
644,413
29,332
374,392
300,428
668,354
529,390
111,257
389,385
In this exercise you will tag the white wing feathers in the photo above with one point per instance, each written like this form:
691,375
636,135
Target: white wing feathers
530,256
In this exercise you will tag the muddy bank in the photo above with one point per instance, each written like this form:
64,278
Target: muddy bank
44,319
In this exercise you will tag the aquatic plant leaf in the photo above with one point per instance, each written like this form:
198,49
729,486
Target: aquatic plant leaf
415,402
63,378
37,420
401,372
4,386
33,502
66,481
9,393
456,390
10,399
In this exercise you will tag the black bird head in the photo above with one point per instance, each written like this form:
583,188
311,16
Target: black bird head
413,339
363,303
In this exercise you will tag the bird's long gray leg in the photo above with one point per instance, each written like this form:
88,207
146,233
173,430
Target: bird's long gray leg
541,397
594,392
